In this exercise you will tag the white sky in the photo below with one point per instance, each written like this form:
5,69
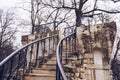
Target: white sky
8,3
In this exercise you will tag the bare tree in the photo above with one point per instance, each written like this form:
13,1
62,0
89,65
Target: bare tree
79,7
42,16
36,13
59,12
6,31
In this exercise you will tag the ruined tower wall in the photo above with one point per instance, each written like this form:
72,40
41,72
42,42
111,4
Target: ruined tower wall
95,44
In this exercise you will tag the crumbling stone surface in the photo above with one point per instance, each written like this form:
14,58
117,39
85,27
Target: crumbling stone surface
95,48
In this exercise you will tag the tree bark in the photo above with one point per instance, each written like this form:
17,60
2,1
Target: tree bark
78,17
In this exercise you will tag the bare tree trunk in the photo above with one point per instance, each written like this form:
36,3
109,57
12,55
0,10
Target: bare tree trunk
78,17
32,16
33,28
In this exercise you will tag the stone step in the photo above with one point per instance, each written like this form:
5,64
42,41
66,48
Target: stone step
71,54
54,58
49,64
72,58
64,58
64,49
49,67
43,71
64,46
42,68
51,61
47,70
33,76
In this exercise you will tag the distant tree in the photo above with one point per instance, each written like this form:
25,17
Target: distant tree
7,32
41,16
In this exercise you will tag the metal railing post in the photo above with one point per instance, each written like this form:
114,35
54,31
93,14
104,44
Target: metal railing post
74,41
53,45
61,53
49,47
57,68
19,55
57,72
69,43
11,66
25,61
72,45
43,51
66,51
37,50
57,38
30,63
2,72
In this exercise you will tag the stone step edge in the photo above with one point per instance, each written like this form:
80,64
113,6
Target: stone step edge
39,75
43,69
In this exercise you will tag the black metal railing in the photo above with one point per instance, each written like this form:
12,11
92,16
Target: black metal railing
65,46
22,60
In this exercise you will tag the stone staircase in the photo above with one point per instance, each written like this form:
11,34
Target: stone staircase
45,71
77,66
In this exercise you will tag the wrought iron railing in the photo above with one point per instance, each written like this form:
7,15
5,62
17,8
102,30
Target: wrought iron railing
68,43
27,57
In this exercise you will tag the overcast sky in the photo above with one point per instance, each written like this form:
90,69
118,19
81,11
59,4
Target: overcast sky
8,3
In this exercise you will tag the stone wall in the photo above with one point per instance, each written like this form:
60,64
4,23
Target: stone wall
95,45
31,37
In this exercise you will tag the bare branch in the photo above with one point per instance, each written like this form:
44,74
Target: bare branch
111,12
